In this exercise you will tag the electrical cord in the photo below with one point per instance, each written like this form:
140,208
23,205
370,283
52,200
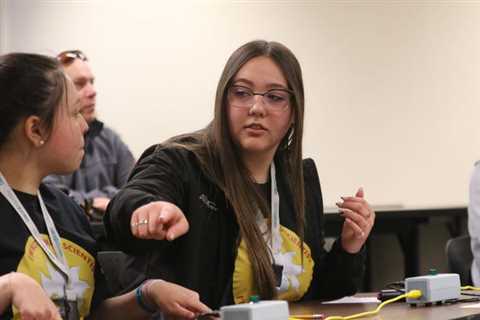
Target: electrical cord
470,294
413,294
475,295
470,288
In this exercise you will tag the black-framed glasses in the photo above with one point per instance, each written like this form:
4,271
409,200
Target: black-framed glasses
273,99
67,57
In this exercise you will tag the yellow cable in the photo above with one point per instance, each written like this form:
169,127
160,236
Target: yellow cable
413,294
470,288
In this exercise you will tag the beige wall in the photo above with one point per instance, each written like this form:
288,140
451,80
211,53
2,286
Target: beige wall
3,25
392,87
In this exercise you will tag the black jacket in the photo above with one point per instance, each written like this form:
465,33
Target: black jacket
203,259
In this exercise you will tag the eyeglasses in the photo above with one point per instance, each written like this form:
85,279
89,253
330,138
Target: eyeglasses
273,99
67,57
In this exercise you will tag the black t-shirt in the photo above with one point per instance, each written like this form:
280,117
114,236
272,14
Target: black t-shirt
20,252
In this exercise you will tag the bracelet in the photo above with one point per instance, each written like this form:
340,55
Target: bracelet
139,296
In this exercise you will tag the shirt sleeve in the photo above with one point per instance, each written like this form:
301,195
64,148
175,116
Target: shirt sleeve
156,177
474,222
337,273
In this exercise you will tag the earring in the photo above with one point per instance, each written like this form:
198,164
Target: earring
42,142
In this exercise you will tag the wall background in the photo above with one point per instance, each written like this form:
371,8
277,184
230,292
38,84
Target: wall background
392,98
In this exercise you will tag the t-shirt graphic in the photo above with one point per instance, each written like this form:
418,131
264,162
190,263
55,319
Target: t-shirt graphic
295,279
36,264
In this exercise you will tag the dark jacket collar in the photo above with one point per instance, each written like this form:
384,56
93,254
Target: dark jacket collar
94,129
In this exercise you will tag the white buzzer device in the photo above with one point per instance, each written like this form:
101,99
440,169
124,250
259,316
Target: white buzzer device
263,310
435,288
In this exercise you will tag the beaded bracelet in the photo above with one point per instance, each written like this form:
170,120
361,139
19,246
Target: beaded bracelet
139,296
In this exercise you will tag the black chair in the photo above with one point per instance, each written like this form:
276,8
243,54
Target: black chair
459,257
111,263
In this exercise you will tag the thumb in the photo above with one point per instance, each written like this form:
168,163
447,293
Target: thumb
360,193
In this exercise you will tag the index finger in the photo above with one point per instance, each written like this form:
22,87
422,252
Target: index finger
169,215
174,222
197,307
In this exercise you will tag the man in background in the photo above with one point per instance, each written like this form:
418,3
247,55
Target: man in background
107,161
474,223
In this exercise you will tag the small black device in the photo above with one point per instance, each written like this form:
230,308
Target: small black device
387,294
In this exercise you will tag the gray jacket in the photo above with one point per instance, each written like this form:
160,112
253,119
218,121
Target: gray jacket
103,170
474,222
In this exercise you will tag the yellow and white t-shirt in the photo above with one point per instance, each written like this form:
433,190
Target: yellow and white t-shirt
20,252
296,278
81,264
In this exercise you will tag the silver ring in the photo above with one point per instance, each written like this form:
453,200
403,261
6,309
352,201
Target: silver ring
144,221
141,222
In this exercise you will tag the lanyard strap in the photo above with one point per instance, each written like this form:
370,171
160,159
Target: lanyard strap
57,258
275,239
275,207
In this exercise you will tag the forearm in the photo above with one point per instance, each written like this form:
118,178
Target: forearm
120,307
5,292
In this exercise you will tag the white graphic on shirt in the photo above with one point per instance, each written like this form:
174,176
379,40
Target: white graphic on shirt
290,271
36,264
297,268
54,285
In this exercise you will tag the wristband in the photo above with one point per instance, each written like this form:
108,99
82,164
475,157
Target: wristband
139,296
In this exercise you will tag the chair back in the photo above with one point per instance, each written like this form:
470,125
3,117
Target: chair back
111,263
459,257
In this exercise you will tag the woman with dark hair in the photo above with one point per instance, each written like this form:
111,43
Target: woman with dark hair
47,250
253,205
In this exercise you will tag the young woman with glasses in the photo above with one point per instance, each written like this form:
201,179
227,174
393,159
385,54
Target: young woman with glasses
254,206
48,263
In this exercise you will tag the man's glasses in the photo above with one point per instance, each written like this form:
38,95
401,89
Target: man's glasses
67,57
273,99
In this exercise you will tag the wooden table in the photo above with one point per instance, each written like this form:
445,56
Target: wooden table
396,310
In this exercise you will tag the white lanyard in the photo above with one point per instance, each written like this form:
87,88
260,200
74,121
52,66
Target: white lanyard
275,239
275,211
57,258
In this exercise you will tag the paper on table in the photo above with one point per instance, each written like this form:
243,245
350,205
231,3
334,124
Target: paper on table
475,305
354,299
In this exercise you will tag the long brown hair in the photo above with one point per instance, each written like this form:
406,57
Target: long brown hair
220,158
